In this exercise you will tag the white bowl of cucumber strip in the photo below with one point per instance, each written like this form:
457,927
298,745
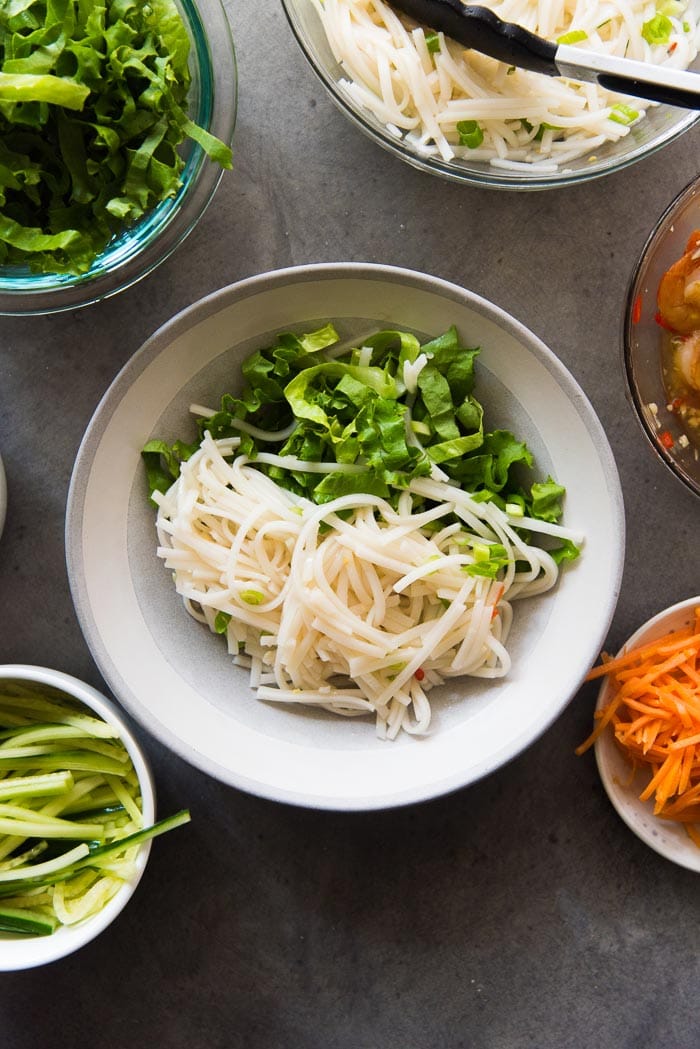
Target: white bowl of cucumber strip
77,808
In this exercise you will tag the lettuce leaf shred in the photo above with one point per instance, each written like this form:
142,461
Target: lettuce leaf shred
93,108
355,407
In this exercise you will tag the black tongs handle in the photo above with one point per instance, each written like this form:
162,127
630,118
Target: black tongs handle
481,29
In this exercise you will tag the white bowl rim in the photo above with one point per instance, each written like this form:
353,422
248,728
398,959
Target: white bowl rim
622,798
31,951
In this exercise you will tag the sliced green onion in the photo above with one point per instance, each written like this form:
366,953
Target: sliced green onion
657,30
575,36
252,597
470,133
544,126
432,42
623,114
221,622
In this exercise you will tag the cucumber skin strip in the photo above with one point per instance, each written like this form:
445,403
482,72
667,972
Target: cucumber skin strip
31,923
88,857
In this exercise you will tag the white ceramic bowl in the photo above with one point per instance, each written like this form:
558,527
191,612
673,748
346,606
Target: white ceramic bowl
667,838
176,677
26,952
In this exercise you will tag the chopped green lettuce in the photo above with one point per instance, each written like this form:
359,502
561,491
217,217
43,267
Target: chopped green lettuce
93,110
362,409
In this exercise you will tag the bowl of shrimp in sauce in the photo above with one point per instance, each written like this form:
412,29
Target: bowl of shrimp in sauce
662,337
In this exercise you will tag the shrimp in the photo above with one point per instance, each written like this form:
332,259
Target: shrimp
688,359
678,298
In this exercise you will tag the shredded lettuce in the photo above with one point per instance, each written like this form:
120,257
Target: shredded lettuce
361,408
93,108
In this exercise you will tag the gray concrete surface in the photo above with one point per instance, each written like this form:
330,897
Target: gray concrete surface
519,913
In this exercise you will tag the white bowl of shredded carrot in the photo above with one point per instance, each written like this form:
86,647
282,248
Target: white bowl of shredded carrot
647,733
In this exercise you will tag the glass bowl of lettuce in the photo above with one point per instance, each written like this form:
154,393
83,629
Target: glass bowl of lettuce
116,123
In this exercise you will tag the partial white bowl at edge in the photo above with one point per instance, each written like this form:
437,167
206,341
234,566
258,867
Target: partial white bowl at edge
667,838
26,952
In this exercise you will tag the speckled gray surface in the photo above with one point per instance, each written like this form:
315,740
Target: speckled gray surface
519,912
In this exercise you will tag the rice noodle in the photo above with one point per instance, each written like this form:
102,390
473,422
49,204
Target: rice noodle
352,606
526,118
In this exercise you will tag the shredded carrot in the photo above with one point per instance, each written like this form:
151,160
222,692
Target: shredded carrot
654,714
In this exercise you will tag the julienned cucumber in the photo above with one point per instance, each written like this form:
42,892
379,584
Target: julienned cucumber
32,923
96,856
71,812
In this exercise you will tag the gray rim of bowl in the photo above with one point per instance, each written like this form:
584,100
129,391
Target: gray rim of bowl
532,182
657,233
196,313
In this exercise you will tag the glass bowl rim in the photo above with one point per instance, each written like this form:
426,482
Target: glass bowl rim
655,236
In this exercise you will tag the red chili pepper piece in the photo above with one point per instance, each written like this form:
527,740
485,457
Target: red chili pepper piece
666,439
419,674
637,309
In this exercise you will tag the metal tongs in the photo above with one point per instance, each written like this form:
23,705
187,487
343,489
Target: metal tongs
479,28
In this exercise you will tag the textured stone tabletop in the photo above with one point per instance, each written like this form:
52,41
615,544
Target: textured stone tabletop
518,913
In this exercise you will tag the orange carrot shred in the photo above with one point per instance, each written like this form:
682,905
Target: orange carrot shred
654,713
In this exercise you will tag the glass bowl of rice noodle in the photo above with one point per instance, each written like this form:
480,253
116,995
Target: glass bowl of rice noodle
471,119
662,364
